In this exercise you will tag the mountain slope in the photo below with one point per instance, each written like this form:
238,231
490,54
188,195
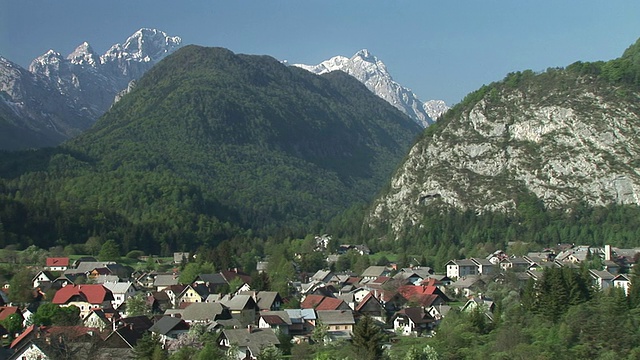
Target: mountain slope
566,136
372,72
58,97
208,136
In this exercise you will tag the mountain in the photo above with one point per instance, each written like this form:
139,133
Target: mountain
435,108
209,141
565,136
59,97
372,72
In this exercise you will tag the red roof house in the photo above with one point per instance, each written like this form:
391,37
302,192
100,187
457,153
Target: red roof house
86,297
423,295
6,311
319,302
57,263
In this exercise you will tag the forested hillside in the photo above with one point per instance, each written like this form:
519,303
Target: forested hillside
210,145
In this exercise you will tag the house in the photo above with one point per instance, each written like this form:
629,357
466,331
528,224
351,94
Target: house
232,274
278,321
438,312
440,280
412,321
373,272
57,263
86,297
43,277
461,268
496,256
487,306
262,266
242,307
612,266
49,342
602,278
121,292
423,295
169,328
158,301
82,259
485,267
204,313
266,300
6,311
541,256
574,254
622,281
193,294
173,292
214,281
323,276
515,264
33,349
101,279
340,322
34,343
85,267
180,257
372,307
319,302
163,281
68,279
467,285
248,343
97,319
122,338
302,320
145,280
413,275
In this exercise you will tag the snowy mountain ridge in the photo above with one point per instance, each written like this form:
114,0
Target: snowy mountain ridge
372,72
59,97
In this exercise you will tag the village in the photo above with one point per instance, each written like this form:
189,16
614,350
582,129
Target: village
118,307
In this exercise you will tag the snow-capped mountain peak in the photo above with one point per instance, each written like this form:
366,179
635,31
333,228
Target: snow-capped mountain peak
59,97
84,55
372,72
47,63
144,45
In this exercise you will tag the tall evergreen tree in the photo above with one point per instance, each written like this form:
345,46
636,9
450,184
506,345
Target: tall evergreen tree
634,289
367,339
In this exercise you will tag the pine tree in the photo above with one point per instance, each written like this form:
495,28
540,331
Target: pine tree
367,339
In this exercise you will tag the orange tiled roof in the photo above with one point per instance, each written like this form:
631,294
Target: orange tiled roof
93,293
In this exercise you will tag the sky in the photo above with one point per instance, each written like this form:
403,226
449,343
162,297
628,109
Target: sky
439,49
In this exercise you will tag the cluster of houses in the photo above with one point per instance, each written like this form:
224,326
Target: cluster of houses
409,301
473,273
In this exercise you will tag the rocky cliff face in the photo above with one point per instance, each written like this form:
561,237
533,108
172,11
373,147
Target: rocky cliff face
59,97
562,136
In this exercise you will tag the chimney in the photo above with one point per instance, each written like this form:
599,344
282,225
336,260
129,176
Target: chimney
607,252
249,328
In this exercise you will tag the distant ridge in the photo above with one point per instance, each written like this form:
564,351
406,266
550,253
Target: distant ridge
372,72
59,97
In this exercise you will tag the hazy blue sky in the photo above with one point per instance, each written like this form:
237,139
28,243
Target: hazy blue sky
439,49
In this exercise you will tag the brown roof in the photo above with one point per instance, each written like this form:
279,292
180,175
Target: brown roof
273,320
416,314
